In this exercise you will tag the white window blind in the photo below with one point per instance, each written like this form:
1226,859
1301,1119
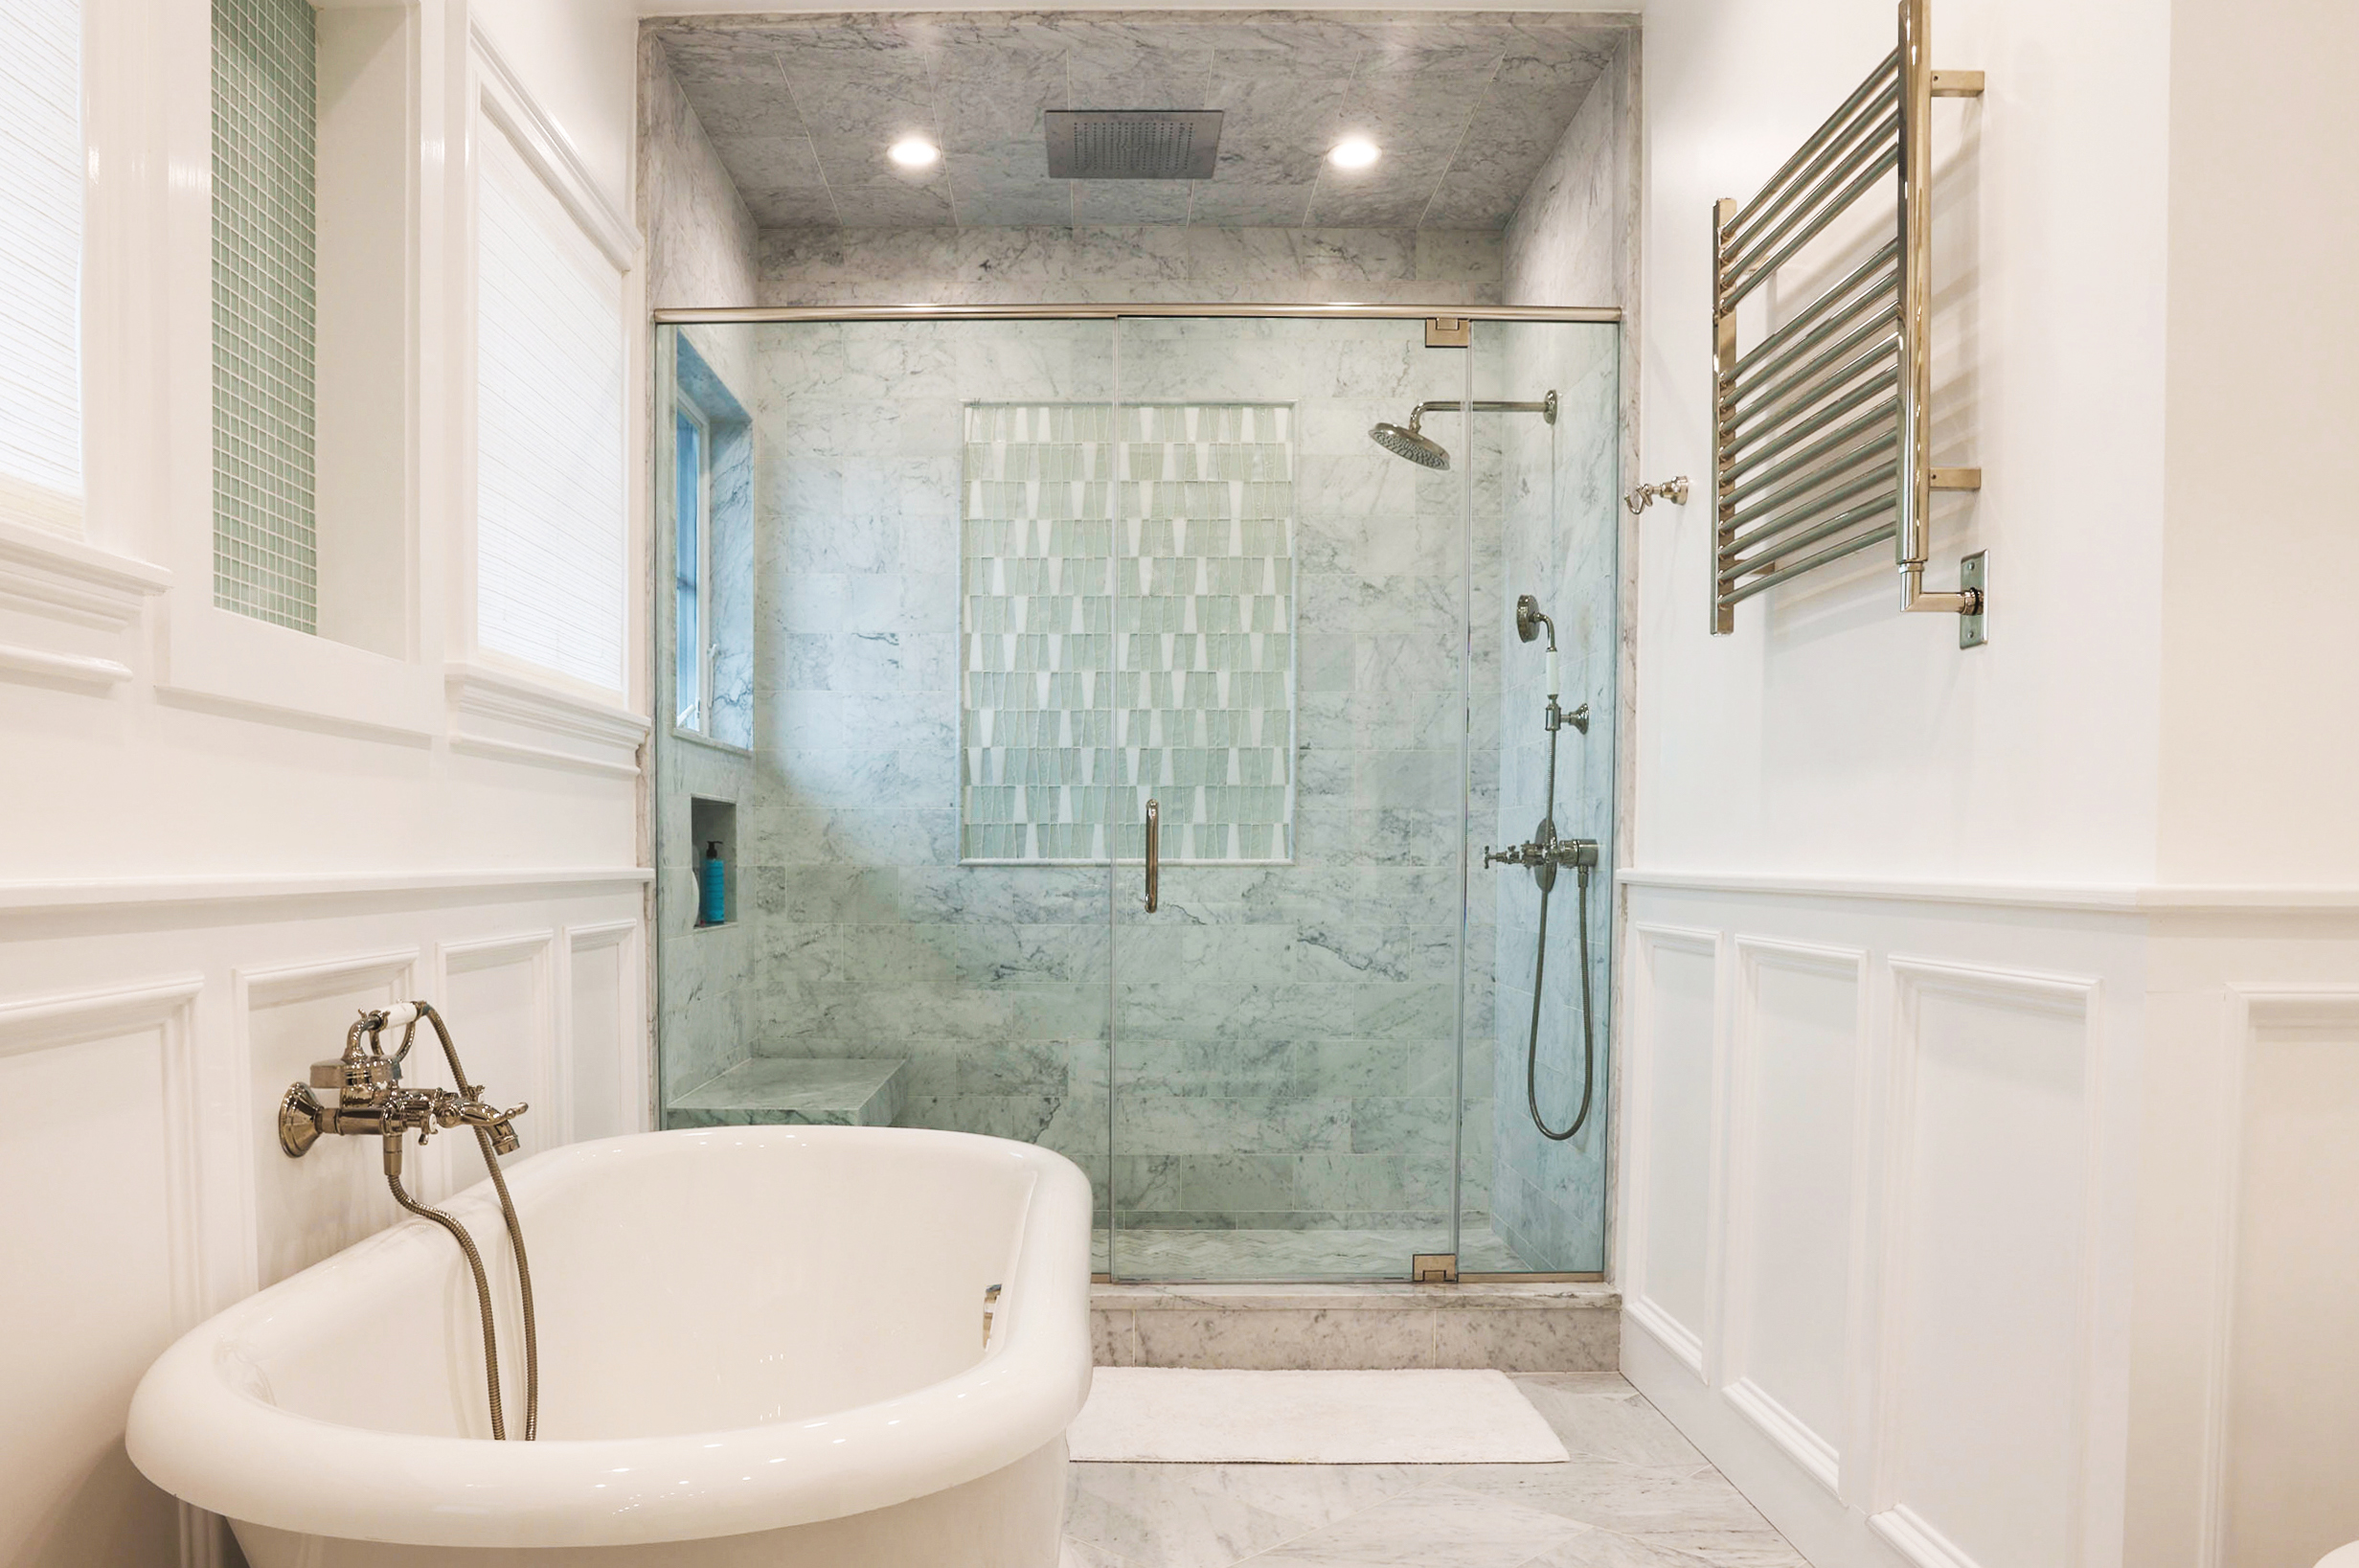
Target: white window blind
549,512
40,261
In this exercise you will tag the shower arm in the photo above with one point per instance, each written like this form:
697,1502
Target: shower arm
1546,406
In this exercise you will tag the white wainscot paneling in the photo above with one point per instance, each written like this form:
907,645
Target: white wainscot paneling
496,996
1673,1079
1988,1293
2289,1491
98,1263
603,1091
289,1017
1797,1074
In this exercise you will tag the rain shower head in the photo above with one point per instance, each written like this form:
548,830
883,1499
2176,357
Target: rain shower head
1427,452
1400,441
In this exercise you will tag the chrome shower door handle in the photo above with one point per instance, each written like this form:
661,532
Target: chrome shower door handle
1154,852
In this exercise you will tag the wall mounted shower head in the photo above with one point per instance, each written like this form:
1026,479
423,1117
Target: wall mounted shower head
1422,450
1425,451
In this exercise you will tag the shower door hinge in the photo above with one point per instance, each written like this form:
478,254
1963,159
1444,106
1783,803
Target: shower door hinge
1449,332
1433,1268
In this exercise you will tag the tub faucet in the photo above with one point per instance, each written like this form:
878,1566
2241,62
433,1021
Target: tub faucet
369,1098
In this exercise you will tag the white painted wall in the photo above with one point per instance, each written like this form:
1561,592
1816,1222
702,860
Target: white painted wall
221,837
1829,736
1999,1007
2261,530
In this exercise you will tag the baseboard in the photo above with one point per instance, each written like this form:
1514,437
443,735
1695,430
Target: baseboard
1822,1528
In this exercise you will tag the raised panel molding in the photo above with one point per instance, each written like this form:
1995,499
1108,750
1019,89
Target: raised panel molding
1819,1453
633,1075
2253,1014
194,1260
168,1006
259,989
1686,1341
1904,1521
536,951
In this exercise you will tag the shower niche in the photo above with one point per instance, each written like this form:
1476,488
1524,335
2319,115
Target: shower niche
1012,580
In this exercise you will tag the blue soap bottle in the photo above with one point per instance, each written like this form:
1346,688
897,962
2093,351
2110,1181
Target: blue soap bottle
715,906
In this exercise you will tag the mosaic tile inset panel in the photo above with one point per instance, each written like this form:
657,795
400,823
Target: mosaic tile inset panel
1127,631
265,326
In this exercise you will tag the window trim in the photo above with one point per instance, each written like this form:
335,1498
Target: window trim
701,722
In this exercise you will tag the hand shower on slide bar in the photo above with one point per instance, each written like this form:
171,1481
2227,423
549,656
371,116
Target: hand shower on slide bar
1544,853
369,1098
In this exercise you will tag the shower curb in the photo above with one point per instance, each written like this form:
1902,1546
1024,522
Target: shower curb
1543,1327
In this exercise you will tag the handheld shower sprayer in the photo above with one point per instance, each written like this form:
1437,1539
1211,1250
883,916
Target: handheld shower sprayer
1545,854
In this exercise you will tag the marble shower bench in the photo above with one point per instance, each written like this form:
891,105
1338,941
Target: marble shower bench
1541,1327
858,1092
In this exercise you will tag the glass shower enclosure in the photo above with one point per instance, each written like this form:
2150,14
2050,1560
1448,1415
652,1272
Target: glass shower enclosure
1119,733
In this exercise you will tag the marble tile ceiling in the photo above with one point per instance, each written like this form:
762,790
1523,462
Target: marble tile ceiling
1465,105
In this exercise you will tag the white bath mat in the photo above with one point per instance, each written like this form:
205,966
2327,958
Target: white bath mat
1170,1416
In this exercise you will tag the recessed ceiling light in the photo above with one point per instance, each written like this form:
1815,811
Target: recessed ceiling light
1354,152
914,153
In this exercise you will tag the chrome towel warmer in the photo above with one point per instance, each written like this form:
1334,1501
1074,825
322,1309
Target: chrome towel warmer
1822,430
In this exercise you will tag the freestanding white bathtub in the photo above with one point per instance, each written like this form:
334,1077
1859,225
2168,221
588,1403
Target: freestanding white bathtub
758,1345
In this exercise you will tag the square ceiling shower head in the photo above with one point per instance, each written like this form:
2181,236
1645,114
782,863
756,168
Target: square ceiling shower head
1133,144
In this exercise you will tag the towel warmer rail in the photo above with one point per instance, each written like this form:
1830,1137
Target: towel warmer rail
1821,431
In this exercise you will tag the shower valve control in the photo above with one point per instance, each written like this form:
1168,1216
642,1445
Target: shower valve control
1546,854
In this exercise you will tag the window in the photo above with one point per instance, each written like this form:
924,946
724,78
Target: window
40,261
712,537
550,587
691,652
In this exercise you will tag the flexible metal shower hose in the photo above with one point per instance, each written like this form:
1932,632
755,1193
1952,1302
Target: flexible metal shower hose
1589,1040
475,1262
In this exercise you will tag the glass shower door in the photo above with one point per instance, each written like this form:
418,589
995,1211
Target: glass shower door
1532,1188
1291,681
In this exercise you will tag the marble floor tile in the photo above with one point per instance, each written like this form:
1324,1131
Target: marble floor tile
1436,1525
1635,1495
1211,1515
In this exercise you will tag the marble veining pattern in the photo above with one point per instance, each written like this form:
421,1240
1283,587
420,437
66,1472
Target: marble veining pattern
702,243
1635,1495
1467,106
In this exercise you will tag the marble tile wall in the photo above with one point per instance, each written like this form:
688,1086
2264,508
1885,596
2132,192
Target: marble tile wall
1572,236
1561,536
1133,262
701,239
1288,1031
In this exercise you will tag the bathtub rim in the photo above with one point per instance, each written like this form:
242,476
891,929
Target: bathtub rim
200,1436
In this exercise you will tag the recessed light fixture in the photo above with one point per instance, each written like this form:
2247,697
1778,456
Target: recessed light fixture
912,152
1354,152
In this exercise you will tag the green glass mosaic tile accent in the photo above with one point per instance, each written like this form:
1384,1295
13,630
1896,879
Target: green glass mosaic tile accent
1128,630
265,125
